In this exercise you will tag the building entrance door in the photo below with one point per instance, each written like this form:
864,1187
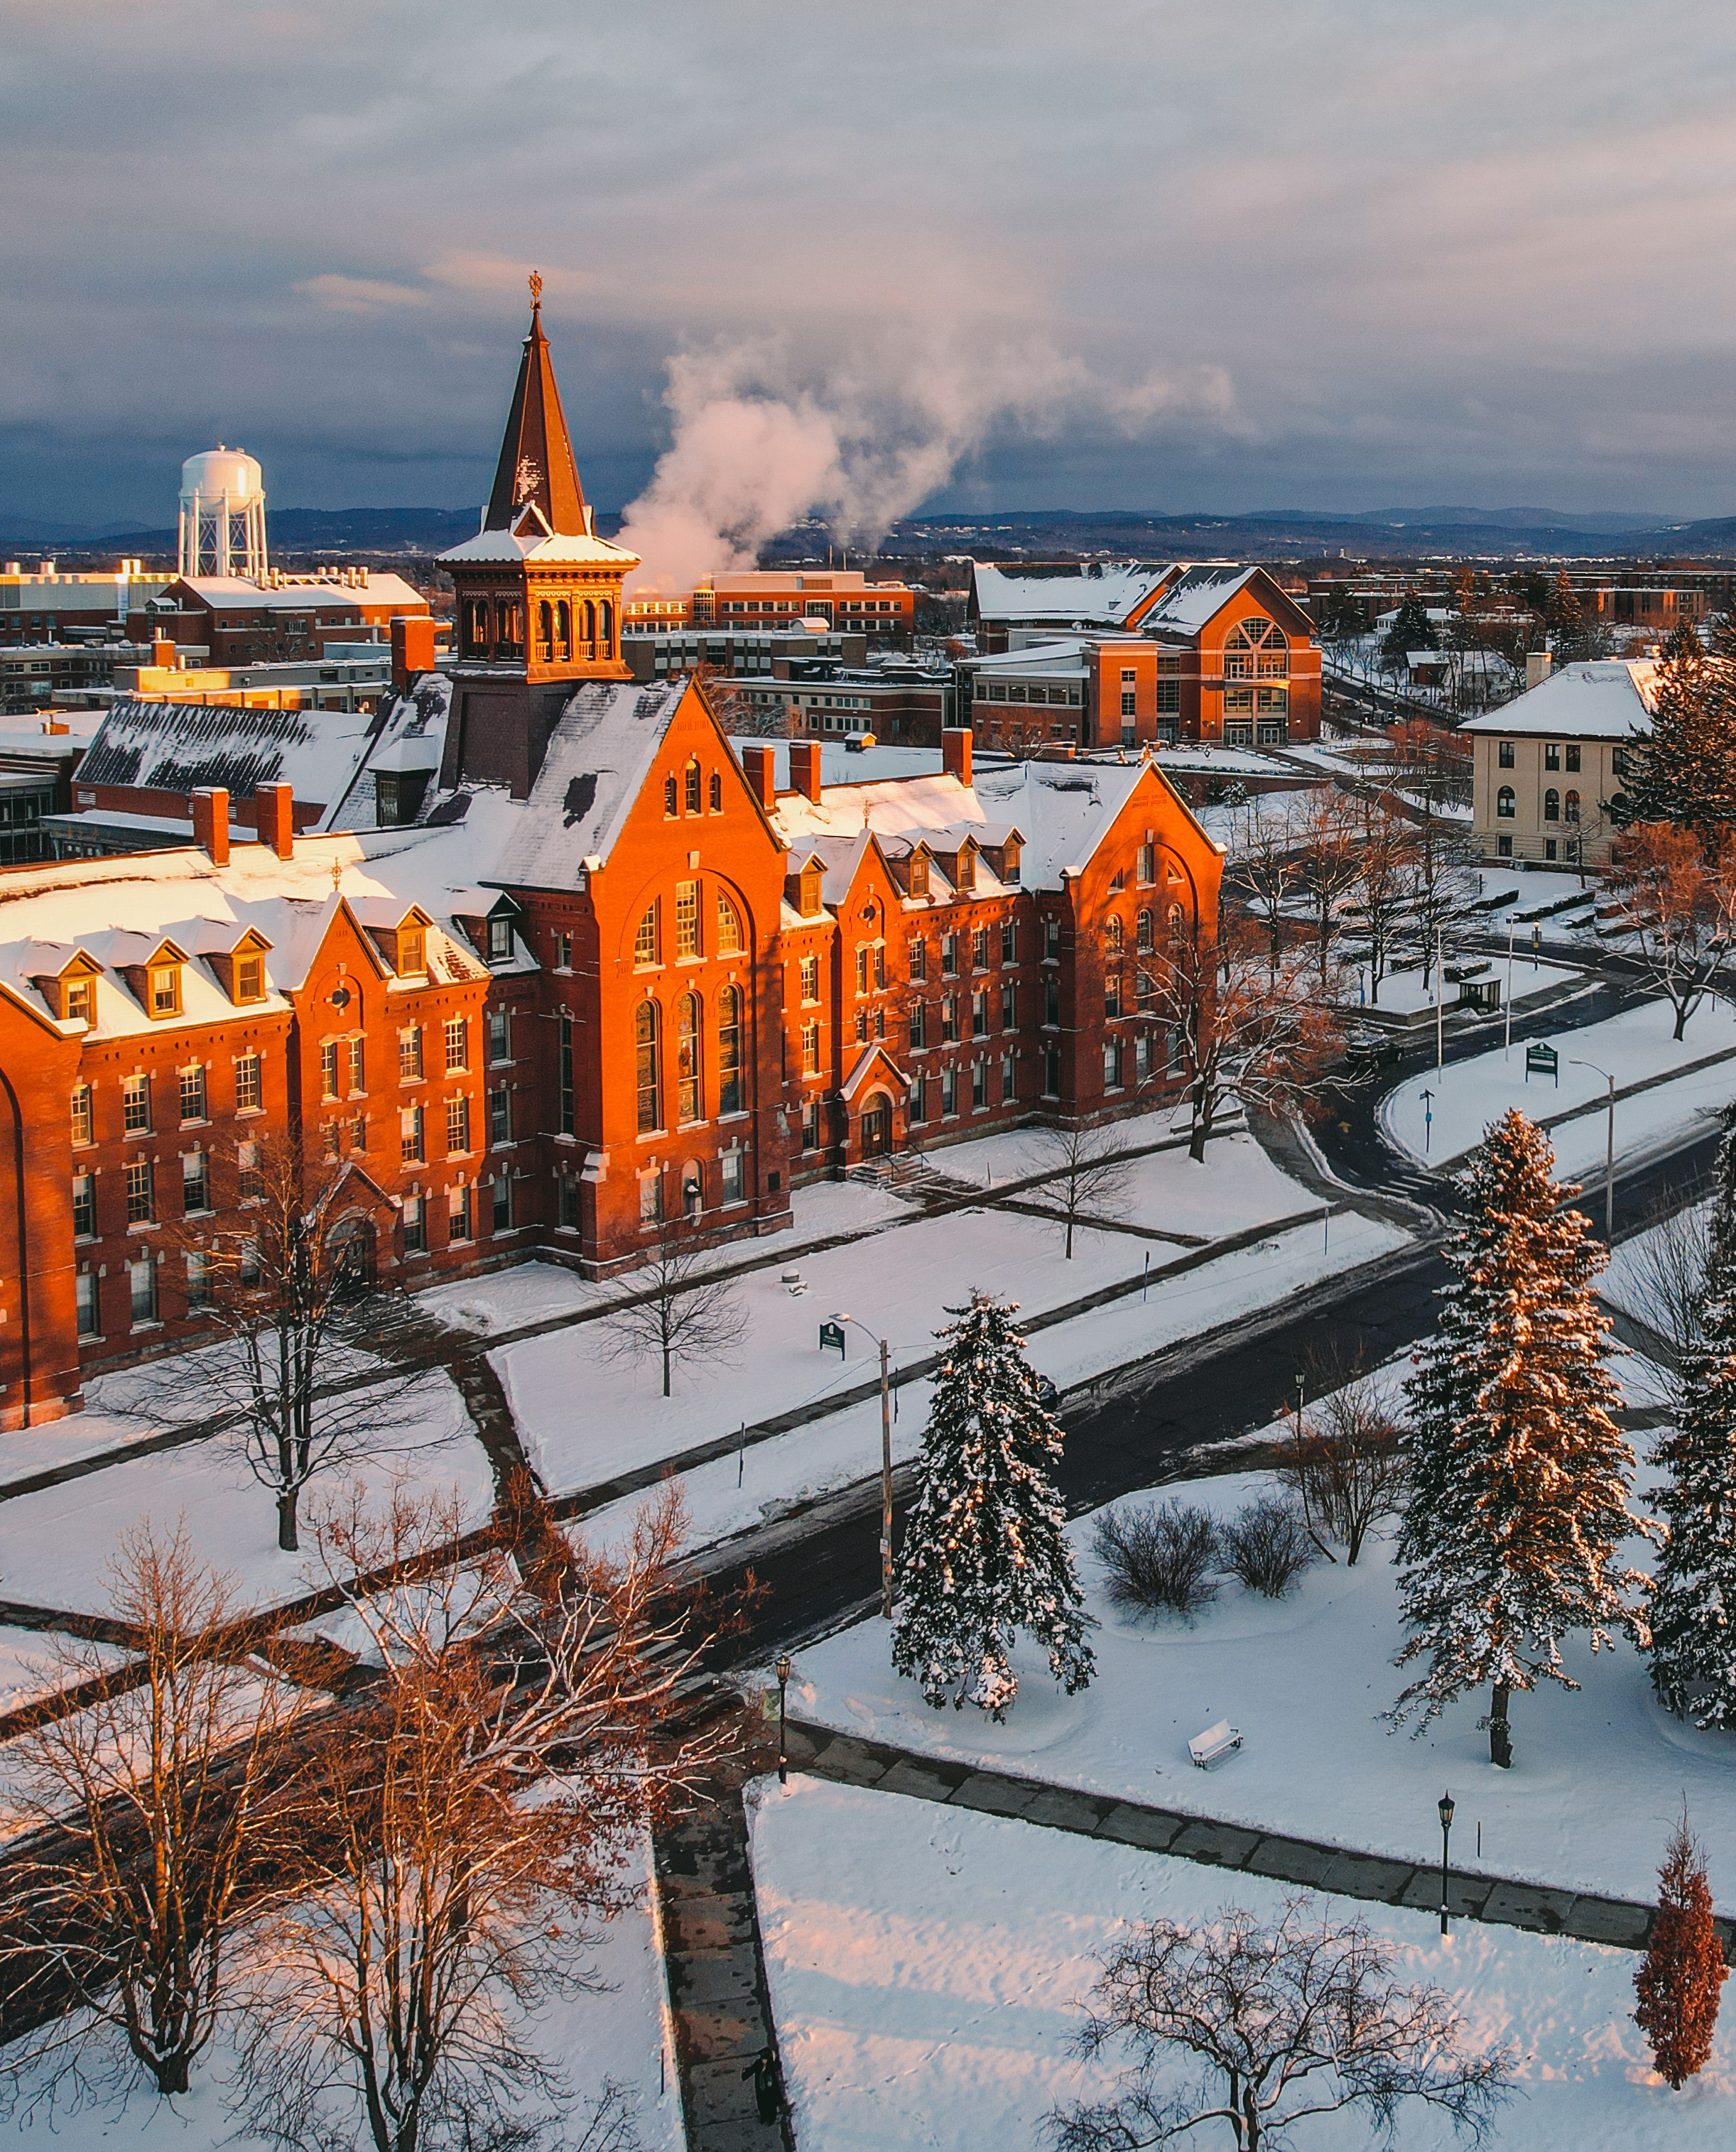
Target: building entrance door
877,1126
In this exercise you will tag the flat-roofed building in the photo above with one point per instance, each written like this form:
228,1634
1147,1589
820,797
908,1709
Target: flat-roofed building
764,601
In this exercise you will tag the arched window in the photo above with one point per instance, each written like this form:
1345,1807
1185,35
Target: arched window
649,1075
1504,805
1112,935
607,629
730,942
1573,806
1143,933
544,632
590,632
688,1104
693,1197
563,629
1178,923
1256,648
716,792
671,796
645,949
1551,805
729,1089
475,627
692,786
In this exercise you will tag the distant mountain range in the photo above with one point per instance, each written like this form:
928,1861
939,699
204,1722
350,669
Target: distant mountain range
1270,534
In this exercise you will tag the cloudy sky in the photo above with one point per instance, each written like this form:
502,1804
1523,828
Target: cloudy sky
1345,254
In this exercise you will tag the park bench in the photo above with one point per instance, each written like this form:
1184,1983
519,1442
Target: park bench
1214,1745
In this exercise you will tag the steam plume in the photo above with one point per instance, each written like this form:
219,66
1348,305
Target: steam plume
755,447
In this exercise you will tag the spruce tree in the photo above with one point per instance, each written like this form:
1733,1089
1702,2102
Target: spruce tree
985,1553
1684,771
1683,1968
1411,630
1692,1597
1520,1476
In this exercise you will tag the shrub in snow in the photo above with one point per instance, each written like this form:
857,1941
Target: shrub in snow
1519,1477
1683,1967
1346,1462
985,1553
1159,1558
1300,2018
1267,1545
1692,1654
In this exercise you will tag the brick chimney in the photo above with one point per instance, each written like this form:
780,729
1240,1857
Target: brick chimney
211,823
804,768
413,647
162,652
956,753
760,763
274,816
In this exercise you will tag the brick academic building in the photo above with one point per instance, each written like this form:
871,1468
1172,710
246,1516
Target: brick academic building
616,975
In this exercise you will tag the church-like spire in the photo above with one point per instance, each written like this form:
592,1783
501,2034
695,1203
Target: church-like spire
536,461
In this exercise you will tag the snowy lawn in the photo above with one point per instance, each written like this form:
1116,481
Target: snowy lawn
584,1418
928,1968
1402,993
30,1664
55,1546
1599,1774
1469,1094
614,2033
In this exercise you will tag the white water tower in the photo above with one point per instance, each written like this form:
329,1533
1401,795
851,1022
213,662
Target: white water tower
222,514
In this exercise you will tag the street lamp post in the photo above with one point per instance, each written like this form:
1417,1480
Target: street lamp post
885,1465
1609,1151
1445,1806
783,1671
1427,1119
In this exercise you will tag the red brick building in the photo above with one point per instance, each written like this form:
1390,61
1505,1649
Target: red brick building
609,975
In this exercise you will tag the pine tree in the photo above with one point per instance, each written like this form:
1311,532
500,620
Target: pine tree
1683,1968
985,1552
1684,771
1519,1476
1411,630
1692,1597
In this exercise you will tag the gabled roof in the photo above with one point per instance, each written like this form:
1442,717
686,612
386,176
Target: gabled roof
1612,698
178,747
1099,592
873,1061
1196,594
599,758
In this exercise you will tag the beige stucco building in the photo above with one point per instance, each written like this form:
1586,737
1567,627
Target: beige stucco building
1544,765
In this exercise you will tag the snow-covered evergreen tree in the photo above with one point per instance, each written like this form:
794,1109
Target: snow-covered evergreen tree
985,1553
1684,771
1520,1476
1692,1609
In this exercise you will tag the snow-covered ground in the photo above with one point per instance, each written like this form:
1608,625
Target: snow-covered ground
1468,1095
615,2032
584,1417
1403,992
55,1544
928,1967
1598,1777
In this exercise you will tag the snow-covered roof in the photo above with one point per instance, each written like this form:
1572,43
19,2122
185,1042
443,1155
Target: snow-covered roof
598,759
235,594
1064,658
528,536
1195,597
113,907
1609,699
1097,591
840,765
177,747
410,736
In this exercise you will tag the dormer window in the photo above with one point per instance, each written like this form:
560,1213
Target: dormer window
499,940
1009,859
810,892
919,874
250,978
413,951
967,866
165,990
80,1001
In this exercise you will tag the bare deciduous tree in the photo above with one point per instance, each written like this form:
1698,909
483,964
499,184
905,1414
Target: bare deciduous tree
1088,1172
1328,827
290,1295
1678,897
1269,1041
478,1813
679,1314
1345,1460
159,1803
1301,2018
1666,1273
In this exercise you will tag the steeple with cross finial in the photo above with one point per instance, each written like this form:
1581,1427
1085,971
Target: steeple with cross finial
538,593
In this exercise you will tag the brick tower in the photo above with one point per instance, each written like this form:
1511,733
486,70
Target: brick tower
538,591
